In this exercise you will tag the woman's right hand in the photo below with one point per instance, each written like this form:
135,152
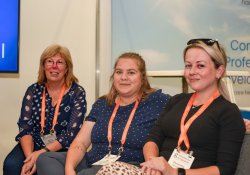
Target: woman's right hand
156,165
26,168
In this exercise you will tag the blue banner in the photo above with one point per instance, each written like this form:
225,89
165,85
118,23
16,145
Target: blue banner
9,36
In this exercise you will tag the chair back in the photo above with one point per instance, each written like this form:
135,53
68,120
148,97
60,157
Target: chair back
243,167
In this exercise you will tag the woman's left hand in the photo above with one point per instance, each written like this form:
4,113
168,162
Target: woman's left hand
247,124
29,166
158,164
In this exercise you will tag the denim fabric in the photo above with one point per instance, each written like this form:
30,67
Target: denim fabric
13,162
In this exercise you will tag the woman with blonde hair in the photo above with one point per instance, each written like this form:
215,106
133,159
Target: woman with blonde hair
52,112
199,133
117,125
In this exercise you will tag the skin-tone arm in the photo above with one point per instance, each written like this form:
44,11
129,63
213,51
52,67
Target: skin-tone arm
78,148
159,164
27,144
150,150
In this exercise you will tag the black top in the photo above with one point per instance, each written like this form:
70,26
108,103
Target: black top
215,136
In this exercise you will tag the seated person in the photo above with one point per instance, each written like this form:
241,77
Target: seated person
55,104
117,125
200,133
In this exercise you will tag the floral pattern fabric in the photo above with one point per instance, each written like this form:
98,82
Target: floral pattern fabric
70,117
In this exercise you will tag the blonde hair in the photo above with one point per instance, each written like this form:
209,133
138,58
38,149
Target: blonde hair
51,51
145,89
218,55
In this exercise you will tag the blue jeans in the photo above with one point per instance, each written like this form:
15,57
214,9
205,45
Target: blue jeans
13,163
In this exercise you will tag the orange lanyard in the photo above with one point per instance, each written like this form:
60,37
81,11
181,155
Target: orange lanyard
185,127
56,110
125,132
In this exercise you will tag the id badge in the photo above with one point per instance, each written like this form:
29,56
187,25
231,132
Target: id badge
109,158
180,159
49,138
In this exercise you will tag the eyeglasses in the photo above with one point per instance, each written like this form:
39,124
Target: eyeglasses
206,41
59,63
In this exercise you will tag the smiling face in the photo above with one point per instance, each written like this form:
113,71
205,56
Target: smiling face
127,78
55,69
200,72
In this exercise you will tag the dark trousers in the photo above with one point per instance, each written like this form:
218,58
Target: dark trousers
13,163
53,163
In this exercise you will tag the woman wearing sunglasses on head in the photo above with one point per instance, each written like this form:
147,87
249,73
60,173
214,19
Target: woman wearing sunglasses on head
200,133
52,112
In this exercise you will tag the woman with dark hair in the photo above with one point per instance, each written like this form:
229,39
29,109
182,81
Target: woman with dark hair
52,112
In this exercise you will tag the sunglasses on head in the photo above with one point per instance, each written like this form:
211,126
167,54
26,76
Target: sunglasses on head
206,41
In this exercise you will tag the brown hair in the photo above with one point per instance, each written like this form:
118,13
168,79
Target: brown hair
145,89
218,55
51,51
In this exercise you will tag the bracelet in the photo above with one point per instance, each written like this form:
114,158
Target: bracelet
181,171
46,149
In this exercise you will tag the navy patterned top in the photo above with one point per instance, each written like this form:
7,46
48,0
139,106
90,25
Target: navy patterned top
71,115
144,118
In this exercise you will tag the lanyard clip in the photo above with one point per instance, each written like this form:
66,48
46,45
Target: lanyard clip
52,131
110,149
178,149
191,153
42,132
120,150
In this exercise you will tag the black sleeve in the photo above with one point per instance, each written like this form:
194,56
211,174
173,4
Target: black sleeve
230,139
157,132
